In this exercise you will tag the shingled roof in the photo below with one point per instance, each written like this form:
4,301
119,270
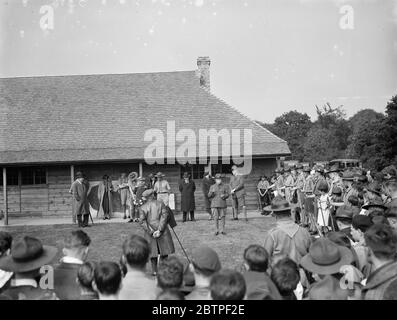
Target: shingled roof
79,118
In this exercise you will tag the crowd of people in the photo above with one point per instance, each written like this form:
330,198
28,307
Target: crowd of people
335,238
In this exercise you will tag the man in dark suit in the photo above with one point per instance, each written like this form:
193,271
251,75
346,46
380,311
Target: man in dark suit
206,184
65,274
79,191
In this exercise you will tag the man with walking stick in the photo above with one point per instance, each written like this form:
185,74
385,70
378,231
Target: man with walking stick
154,219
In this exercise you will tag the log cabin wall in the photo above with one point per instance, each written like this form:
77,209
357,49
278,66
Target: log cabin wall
54,199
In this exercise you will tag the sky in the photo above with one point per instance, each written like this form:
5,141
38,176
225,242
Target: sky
267,56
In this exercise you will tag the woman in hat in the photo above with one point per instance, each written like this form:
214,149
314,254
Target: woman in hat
162,188
187,189
27,257
105,189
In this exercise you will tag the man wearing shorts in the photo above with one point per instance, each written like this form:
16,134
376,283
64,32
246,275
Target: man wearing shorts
238,193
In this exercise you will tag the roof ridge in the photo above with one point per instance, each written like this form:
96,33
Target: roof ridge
97,74
245,116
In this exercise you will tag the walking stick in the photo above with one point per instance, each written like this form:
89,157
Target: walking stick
183,249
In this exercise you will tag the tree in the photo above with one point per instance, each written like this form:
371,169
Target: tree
320,145
388,133
292,127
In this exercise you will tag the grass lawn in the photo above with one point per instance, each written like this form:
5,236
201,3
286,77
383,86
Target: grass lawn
107,238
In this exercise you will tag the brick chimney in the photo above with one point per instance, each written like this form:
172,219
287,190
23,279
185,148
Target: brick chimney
203,72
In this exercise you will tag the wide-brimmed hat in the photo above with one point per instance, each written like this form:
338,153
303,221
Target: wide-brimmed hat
318,168
160,175
328,288
374,187
337,190
307,169
27,254
218,176
391,212
278,204
344,212
279,170
374,203
325,257
299,166
79,175
133,175
140,179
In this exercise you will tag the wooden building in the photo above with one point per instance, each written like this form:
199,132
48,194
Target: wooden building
53,126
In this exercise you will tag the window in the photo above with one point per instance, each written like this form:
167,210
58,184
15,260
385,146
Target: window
12,177
221,168
196,170
31,176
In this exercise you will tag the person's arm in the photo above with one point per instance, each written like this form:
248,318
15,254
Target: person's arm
167,186
75,192
240,185
143,221
164,215
211,193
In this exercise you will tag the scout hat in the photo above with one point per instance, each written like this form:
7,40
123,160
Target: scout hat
374,203
160,174
337,190
79,175
27,254
362,222
299,166
133,175
147,193
374,187
325,257
205,258
318,168
279,204
344,212
307,169
328,288
218,176
279,170
391,212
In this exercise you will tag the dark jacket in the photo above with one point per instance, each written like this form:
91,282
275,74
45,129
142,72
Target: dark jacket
65,285
382,283
237,183
28,293
218,195
206,185
187,195
260,286
80,201
155,216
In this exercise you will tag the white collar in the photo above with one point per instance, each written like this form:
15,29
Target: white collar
23,282
67,259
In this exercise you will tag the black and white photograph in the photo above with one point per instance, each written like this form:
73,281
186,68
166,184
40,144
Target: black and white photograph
198,150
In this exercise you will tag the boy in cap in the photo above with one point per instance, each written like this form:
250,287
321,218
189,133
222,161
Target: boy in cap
76,248
227,285
382,283
27,257
218,194
107,280
204,264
